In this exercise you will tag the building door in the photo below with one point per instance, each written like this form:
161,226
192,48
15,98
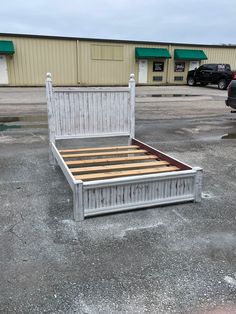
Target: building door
142,71
193,65
3,70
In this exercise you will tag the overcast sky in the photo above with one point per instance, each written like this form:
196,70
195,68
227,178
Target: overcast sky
185,21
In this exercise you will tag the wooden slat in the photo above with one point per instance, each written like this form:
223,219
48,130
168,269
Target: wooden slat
97,149
120,166
99,176
125,152
161,155
109,160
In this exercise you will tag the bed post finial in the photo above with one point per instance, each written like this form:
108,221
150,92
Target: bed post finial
132,104
49,76
49,85
132,76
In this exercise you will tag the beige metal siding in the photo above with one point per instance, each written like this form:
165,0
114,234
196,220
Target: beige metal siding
221,55
34,57
105,63
106,52
102,69
89,62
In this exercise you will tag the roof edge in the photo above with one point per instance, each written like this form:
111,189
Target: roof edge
115,40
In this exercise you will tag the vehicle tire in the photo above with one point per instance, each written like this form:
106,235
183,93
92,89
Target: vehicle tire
191,81
203,83
222,84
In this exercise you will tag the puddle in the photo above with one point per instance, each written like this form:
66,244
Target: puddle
207,195
4,127
228,136
41,122
168,95
24,118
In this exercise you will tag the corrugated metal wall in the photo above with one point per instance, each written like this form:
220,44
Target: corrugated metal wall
105,70
110,71
223,55
89,62
34,57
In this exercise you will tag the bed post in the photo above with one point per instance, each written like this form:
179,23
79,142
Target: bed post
51,124
78,201
132,104
198,184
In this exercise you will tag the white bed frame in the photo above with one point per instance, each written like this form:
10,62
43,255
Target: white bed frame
85,113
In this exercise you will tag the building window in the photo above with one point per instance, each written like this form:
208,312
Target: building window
178,78
158,66
157,78
179,66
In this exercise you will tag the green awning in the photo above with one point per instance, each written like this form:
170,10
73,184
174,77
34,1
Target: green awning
6,47
184,54
151,53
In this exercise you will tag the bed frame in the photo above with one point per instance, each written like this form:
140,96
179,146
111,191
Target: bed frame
108,179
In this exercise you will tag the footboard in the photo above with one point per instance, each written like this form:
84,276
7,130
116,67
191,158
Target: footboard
100,197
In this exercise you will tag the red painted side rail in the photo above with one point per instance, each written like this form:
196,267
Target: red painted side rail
162,156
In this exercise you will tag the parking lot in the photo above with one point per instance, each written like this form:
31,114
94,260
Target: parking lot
171,259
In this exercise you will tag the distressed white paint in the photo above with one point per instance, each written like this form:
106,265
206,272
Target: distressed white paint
131,195
3,70
76,185
51,124
139,178
90,112
78,204
70,178
132,106
99,112
198,184
85,114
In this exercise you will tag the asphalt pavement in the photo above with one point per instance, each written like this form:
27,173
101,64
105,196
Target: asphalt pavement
169,259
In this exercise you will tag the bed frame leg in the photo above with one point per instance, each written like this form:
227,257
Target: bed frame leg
78,202
52,159
198,184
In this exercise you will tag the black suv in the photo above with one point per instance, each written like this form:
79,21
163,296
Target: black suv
215,73
231,100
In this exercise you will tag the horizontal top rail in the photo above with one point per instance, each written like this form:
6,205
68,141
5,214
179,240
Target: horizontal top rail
139,178
94,90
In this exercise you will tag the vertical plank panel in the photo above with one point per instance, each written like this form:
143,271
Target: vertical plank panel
132,194
87,113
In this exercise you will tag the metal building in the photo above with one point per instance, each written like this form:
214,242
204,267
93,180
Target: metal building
25,59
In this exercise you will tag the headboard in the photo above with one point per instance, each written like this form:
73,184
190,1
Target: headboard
90,112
